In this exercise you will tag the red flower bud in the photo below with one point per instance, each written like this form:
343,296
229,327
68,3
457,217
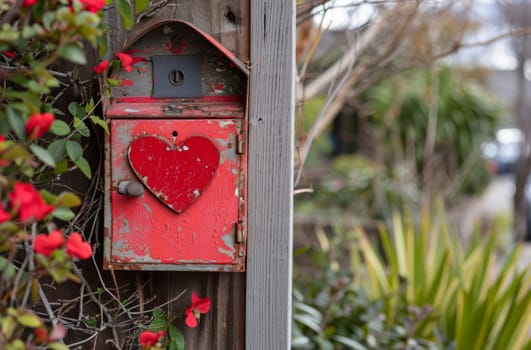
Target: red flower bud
92,5
4,216
126,61
103,65
45,244
29,3
148,338
28,202
193,312
38,124
75,247
8,54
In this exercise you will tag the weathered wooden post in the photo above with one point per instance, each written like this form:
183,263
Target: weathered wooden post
241,106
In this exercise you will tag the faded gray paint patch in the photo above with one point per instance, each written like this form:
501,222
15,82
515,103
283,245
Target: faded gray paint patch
148,208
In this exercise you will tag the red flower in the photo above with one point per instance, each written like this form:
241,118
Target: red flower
58,333
199,306
103,65
41,334
45,244
126,82
8,54
126,61
4,215
75,247
28,202
38,124
92,5
148,338
29,3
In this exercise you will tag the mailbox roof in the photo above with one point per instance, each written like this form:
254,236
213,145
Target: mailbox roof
227,53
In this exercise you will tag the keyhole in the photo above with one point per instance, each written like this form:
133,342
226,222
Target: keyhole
176,77
174,135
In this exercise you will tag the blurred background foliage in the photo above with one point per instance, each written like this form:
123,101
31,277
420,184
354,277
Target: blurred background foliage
418,132
376,266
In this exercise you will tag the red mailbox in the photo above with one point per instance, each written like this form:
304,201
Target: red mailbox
176,155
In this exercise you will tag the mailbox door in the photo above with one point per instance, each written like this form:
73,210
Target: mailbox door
191,215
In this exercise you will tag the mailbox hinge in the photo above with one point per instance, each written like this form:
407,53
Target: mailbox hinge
239,232
240,143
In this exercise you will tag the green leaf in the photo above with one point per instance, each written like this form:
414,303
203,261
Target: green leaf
89,106
74,150
16,122
48,196
60,128
98,121
84,166
28,319
350,343
81,127
176,338
64,214
57,346
159,321
61,167
76,109
37,88
16,344
8,325
73,53
16,151
57,149
9,270
126,13
43,155
141,5
68,200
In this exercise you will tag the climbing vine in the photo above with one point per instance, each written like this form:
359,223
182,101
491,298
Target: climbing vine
48,230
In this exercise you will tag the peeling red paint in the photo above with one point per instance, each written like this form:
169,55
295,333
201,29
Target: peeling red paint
178,49
197,234
171,110
202,100
209,232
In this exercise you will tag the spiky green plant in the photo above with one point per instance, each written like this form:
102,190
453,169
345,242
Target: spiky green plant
474,302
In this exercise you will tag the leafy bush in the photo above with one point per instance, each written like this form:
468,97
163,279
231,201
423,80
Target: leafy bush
436,121
331,311
414,287
334,314
357,186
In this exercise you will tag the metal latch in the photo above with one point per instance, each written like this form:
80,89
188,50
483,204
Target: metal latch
177,76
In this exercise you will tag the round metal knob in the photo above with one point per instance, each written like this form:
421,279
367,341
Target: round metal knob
131,188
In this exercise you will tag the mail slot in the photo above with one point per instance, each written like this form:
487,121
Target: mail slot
176,155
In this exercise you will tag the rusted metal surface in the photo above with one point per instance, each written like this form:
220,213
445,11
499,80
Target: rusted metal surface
173,110
189,152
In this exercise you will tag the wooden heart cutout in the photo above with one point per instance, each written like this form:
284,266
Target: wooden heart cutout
176,174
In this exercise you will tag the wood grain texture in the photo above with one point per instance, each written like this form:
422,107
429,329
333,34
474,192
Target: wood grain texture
223,327
269,248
